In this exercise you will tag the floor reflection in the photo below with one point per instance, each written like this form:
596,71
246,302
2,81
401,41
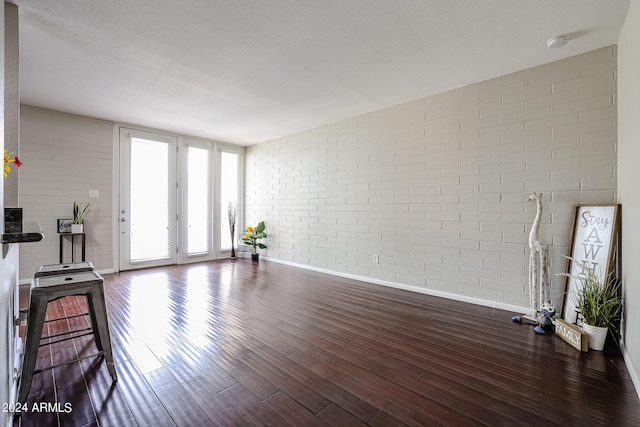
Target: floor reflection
151,310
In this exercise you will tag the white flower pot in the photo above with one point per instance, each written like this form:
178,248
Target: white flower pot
77,228
597,336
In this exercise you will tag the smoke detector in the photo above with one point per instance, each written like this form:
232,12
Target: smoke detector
558,41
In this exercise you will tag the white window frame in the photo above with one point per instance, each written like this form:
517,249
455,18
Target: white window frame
240,209
183,142
183,157
216,149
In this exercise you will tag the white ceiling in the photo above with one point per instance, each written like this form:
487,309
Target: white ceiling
248,71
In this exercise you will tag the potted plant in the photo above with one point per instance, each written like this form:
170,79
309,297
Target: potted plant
79,214
599,303
251,237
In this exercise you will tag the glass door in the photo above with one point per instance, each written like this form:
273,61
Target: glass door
148,190
198,202
229,183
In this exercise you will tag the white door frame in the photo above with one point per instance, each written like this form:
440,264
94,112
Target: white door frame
182,143
125,135
183,255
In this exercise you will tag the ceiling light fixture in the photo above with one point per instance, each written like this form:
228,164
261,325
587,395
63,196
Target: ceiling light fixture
558,41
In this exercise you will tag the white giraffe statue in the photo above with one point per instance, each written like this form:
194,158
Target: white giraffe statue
538,261
542,310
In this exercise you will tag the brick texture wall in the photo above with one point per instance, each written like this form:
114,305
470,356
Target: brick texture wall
64,156
437,187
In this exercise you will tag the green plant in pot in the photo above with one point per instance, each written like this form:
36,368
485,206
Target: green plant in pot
599,302
251,237
79,213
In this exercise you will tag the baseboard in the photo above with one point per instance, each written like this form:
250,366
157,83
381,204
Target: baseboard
632,372
462,298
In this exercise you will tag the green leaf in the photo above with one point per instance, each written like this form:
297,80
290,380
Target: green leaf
599,301
260,228
78,213
262,246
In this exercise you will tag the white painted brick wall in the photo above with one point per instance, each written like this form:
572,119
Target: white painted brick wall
437,186
64,156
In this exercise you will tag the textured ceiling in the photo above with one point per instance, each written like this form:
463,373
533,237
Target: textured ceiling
249,71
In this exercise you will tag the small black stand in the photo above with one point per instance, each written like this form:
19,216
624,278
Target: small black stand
83,238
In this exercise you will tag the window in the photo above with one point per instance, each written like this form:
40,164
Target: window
174,193
198,200
228,195
149,200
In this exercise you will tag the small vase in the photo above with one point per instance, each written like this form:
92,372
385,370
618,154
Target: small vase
77,228
597,336
233,245
255,257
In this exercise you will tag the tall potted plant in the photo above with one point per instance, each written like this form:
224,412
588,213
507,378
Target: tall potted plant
79,214
251,237
599,303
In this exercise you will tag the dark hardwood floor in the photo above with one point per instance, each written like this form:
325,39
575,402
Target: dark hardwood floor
233,343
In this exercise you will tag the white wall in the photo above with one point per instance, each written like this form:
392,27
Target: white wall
11,100
628,178
437,186
64,156
9,256
8,344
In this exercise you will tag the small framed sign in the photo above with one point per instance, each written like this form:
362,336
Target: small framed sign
64,225
572,334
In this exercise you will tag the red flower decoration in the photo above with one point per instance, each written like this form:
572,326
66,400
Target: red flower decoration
17,161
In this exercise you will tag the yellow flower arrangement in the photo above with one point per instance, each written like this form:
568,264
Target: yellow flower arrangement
8,161
252,235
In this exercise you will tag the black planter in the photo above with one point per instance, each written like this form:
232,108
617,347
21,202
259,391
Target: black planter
255,257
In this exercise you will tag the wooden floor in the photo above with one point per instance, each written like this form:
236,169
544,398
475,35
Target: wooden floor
234,343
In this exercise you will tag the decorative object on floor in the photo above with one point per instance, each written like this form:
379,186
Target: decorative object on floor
232,211
79,214
545,318
541,309
572,334
538,261
595,232
599,303
251,237
9,161
597,336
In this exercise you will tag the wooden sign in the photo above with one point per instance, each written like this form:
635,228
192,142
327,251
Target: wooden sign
595,229
572,334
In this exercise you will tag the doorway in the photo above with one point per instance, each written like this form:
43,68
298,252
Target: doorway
175,193
147,214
